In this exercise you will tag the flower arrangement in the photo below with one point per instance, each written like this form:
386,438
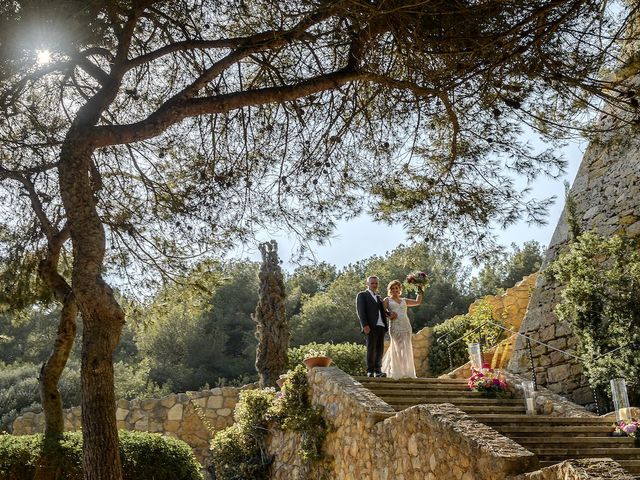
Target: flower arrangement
312,353
626,428
488,382
418,280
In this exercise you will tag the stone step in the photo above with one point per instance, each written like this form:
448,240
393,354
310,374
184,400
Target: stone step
626,453
466,408
421,381
554,430
422,387
427,392
491,419
575,442
415,399
631,466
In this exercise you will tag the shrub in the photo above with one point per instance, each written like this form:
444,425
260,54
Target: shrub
238,450
600,299
349,357
294,411
462,326
444,333
145,456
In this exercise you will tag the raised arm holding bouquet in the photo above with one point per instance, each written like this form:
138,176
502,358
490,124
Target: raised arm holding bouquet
418,280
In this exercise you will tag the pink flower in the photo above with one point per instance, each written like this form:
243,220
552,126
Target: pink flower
630,428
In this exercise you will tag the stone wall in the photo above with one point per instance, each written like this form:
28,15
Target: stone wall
421,342
511,306
192,417
579,469
606,192
368,440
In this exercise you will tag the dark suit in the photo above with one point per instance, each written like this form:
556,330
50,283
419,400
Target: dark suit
368,310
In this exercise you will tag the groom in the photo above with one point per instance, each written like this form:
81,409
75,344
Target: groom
373,319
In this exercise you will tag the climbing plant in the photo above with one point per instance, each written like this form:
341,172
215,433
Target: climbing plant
600,299
240,452
471,327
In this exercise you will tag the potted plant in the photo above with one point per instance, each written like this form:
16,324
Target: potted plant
316,358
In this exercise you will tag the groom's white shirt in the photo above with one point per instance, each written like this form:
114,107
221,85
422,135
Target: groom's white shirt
380,323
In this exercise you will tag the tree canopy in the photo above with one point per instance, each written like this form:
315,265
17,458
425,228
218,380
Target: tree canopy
160,131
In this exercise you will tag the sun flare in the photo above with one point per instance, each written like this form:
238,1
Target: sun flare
43,57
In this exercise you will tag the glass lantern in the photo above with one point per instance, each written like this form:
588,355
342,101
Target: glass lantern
529,397
475,355
620,399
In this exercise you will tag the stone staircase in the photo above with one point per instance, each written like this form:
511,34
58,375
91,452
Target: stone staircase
552,439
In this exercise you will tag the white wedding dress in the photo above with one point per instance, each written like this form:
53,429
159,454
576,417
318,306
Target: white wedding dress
398,360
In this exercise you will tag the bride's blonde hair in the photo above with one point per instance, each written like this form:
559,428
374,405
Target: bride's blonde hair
391,284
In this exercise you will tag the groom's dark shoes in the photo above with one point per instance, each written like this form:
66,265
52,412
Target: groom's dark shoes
371,374
379,374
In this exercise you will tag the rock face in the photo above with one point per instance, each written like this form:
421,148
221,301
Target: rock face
606,191
192,417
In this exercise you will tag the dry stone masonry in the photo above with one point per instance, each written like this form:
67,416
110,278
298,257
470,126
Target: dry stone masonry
371,441
606,192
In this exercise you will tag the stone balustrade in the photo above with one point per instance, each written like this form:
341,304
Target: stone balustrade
368,440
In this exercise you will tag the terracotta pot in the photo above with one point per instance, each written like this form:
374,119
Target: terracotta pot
317,362
280,382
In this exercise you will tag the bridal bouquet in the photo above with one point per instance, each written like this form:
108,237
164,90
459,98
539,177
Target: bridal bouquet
488,382
419,280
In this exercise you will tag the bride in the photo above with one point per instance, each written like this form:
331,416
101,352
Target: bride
398,360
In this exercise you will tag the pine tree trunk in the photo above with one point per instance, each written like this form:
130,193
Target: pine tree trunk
52,369
272,330
101,315
50,394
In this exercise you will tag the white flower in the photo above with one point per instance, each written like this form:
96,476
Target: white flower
315,353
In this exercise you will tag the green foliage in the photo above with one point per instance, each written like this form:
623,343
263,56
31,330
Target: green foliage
601,302
238,450
462,326
506,269
330,316
20,392
305,282
348,357
145,456
194,336
298,415
272,330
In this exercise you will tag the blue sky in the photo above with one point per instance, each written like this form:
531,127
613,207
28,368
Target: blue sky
361,238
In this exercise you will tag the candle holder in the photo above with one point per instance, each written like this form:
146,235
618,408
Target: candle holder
529,397
620,399
475,355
